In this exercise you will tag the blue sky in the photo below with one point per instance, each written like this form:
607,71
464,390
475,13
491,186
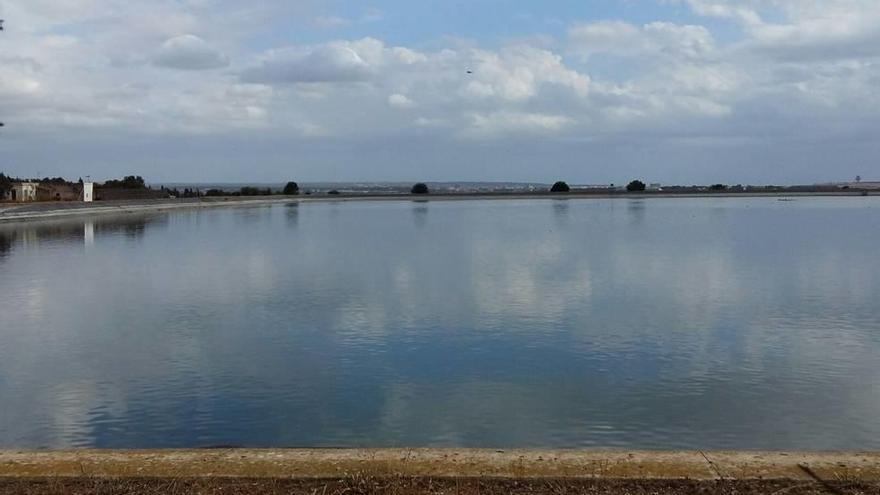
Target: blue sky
687,91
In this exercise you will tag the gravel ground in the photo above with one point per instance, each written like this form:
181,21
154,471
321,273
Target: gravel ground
418,486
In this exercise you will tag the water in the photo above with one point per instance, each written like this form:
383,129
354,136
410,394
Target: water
659,323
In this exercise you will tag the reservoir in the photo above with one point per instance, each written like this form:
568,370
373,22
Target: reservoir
701,323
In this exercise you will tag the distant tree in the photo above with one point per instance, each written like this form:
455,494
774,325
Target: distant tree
216,192
249,191
5,183
191,193
127,182
53,180
291,189
717,187
858,178
419,188
635,186
560,187
333,192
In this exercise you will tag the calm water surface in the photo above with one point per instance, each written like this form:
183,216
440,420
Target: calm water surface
659,323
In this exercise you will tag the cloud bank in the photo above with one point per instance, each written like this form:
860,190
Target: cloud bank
740,90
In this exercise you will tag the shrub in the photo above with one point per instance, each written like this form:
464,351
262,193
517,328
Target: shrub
635,186
291,189
127,182
333,192
717,187
560,187
419,188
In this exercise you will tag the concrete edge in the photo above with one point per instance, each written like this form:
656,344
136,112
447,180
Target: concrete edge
9,214
439,463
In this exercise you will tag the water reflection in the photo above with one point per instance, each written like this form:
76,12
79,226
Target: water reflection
420,213
561,212
636,209
89,232
292,213
31,235
350,324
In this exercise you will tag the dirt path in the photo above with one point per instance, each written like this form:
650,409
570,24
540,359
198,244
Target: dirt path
355,485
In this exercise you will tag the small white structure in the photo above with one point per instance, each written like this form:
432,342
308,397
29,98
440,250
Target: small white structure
87,192
864,184
22,191
655,186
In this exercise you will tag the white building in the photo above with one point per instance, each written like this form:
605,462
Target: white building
865,184
22,191
87,192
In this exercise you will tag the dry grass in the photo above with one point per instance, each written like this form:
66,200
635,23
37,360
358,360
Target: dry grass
360,485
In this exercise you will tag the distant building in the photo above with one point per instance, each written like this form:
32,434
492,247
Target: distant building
87,193
21,192
864,185
592,186
655,186
52,191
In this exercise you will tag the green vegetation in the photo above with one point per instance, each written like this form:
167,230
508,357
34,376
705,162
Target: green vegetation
291,189
560,187
635,186
419,188
717,187
127,182
254,191
187,192
5,182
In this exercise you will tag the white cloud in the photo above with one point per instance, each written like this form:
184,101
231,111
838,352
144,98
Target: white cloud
189,52
656,39
726,11
336,62
501,123
398,100
789,69
429,122
809,30
520,73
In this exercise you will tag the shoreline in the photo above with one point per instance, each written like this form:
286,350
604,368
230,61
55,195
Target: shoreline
441,464
21,212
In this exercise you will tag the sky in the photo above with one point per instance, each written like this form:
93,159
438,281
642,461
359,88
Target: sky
592,92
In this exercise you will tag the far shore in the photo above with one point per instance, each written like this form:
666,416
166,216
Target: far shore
16,212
